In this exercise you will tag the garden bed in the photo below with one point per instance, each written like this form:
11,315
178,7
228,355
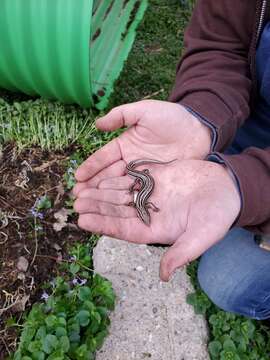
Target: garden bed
149,73
33,208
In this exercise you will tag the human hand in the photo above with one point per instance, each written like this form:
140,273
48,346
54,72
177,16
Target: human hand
157,129
198,203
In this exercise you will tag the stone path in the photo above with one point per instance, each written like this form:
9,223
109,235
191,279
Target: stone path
152,319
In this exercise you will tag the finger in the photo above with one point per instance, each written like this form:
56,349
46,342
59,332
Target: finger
87,206
124,115
114,170
79,187
117,197
117,183
188,247
102,158
125,229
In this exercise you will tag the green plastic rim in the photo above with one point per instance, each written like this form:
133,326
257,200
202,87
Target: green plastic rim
69,50
114,27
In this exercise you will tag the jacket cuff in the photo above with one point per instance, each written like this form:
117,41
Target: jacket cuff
206,123
244,168
217,158
215,113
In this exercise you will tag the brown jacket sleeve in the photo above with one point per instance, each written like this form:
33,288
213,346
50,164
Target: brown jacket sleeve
213,77
213,80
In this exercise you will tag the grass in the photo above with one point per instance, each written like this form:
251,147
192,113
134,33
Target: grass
151,66
149,72
40,122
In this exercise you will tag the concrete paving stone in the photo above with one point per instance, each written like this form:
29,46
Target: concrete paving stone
152,319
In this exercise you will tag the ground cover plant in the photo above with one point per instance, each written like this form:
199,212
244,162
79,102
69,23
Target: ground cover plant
50,125
73,320
232,337
42,142
36,228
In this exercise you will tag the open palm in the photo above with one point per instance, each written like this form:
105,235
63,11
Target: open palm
156,129
198,203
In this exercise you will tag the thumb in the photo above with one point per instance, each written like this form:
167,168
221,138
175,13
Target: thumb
124,115
188,247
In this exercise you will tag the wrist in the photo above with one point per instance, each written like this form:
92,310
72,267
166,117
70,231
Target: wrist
229,182
201,138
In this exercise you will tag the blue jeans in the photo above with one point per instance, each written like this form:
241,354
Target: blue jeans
235,273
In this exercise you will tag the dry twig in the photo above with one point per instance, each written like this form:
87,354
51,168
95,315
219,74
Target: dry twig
153,94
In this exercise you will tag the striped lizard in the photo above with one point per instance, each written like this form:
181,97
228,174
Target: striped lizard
147,184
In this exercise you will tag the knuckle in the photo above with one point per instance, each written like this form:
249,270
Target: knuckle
100,208
127,198
103,184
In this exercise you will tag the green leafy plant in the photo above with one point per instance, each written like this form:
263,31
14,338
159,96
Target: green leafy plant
200,302
69,176
50,125
72,320
43,203
232,337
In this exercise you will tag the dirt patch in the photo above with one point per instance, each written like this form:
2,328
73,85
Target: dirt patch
30,247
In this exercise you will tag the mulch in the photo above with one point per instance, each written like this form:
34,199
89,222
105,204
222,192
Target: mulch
28,257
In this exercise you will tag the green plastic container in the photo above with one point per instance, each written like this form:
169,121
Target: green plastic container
70,50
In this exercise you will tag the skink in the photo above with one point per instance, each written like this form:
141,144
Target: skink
146,187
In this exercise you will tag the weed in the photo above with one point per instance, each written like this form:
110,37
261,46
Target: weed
69,176
72,320
50,125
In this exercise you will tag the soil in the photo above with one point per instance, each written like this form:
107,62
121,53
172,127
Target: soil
28,258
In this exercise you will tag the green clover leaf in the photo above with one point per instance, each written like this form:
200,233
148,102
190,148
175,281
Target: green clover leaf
49,344
83,317
84,293
74,268
215,348
39,355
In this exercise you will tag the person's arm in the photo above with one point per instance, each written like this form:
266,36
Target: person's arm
213,81
213,77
